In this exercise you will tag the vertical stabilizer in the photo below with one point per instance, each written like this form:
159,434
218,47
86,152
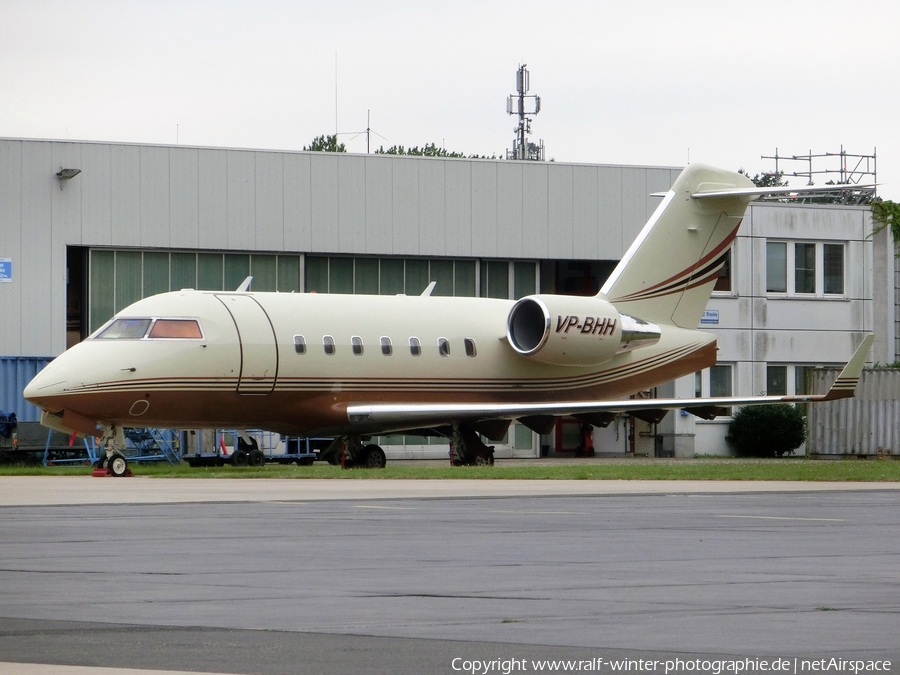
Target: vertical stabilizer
670,270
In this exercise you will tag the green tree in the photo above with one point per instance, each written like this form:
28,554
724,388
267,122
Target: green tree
326,144
766,179
767,430
429,150
886,214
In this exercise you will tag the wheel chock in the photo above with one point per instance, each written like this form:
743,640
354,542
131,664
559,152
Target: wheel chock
103,473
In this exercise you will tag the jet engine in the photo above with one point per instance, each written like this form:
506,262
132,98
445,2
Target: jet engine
571,330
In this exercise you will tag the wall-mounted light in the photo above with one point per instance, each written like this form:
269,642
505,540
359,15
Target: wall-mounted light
66,174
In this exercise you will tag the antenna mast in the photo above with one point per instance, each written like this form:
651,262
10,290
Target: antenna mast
515,105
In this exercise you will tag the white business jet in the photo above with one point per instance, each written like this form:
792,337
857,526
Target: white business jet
353,366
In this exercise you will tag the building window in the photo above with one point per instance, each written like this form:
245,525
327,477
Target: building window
444,346
776,267
715,382
805,268
390,276
803,379
386,347
776,380
833,268
357,345
723,282
415,347
328,343
720,380
470,347
299,344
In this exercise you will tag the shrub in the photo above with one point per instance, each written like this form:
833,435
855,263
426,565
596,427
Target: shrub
767,430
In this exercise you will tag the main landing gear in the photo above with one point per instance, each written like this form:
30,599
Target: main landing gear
349,452
467,448
112,442
248,452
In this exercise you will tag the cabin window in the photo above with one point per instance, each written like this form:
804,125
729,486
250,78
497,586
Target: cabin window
299,344
328,343
444,346
125,329
357,344
415,347
386,347
184,329
470,347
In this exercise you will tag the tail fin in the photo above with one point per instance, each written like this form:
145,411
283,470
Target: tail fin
669,272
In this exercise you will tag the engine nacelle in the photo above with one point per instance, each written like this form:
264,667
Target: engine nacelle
570,330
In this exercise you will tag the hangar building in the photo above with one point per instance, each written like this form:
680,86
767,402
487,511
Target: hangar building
805,282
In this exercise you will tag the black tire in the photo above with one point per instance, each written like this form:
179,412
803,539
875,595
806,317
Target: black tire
240,458
373,457
256,458
117,465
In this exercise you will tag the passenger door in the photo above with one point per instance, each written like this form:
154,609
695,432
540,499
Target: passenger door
259,349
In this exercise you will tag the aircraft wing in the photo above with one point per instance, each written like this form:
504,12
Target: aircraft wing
412,415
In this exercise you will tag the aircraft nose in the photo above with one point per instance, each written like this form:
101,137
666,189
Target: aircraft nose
49,382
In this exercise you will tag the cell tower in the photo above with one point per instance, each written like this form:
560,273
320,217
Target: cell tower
515,105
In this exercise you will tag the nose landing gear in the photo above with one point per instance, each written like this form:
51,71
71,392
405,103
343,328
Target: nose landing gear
113,462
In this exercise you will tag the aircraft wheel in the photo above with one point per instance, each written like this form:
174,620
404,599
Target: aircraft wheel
373,457
117,465
240,458
484,461
256,458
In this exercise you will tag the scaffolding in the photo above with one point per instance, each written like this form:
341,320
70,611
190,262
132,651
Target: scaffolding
852,170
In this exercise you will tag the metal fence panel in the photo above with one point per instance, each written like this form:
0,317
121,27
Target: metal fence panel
863,425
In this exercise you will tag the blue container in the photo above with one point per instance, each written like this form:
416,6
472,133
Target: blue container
15,373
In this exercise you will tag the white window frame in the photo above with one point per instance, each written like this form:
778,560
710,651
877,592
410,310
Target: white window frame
791,270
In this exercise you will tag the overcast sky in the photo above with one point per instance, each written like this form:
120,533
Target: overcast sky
627,82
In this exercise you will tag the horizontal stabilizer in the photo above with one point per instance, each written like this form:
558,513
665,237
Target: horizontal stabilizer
783,191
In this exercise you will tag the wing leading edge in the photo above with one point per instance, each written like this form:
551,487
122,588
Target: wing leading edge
414,415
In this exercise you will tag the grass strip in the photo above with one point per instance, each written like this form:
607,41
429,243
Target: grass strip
691,469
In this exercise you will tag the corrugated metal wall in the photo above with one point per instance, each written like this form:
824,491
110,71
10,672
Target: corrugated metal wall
15,373
864,425
176,197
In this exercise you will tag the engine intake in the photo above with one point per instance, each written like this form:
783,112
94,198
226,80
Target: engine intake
574,331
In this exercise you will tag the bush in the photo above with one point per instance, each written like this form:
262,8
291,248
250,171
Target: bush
767,430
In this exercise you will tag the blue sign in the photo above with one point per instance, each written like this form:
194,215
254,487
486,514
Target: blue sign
5,269
710,317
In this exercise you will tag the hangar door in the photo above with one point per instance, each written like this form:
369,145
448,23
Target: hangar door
259,350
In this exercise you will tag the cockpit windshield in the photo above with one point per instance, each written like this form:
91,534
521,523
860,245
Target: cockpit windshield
176,328
153,329
125,329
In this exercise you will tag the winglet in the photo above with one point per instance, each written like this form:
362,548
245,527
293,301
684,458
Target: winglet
845,384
